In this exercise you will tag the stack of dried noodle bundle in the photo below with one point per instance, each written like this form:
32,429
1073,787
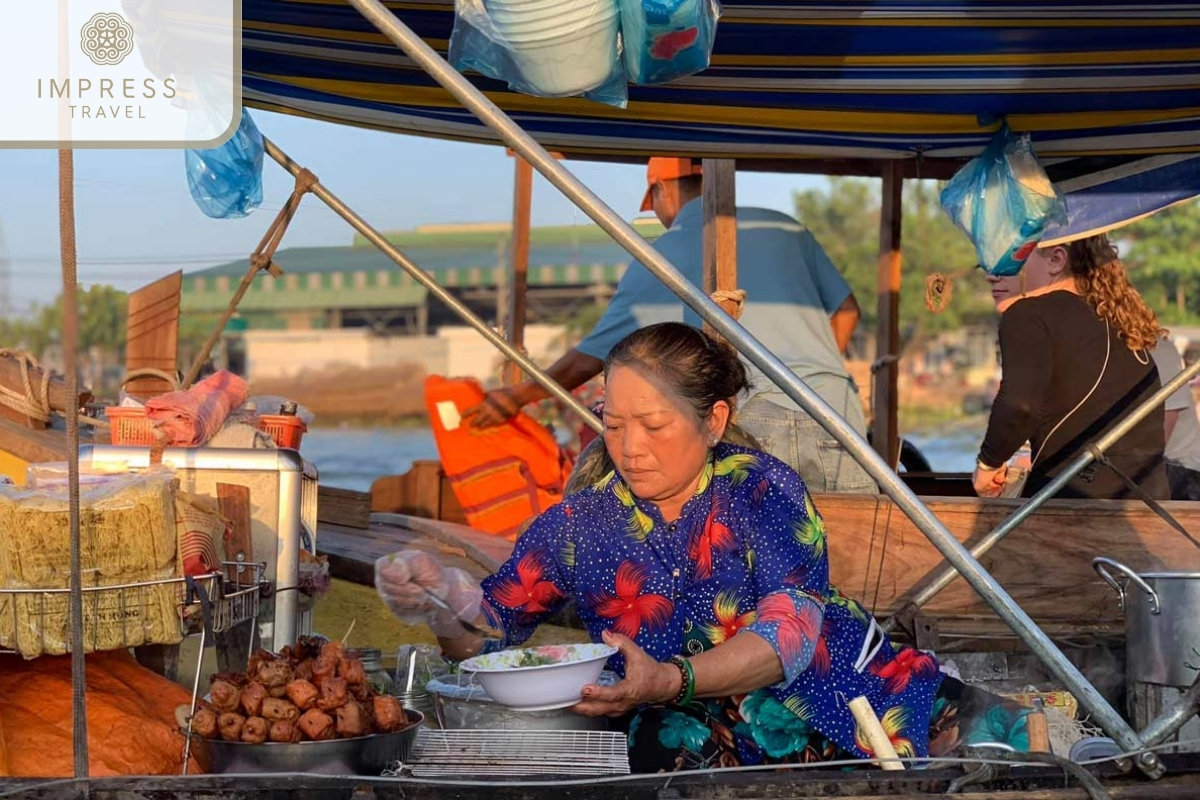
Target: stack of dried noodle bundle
127,535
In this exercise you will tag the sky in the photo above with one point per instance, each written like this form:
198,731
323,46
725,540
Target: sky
136,221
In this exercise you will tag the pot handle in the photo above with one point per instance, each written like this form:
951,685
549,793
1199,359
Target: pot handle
1099,565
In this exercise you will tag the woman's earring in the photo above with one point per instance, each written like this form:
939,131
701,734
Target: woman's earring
712,442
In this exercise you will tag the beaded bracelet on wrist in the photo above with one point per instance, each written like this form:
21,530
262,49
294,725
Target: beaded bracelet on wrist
687,680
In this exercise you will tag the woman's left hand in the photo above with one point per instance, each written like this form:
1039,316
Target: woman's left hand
646,681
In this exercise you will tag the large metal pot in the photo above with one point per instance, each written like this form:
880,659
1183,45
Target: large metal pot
1162,622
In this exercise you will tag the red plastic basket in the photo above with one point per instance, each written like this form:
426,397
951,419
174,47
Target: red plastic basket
129,426
285,429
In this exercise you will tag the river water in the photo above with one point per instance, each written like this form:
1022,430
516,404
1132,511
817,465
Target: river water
352,458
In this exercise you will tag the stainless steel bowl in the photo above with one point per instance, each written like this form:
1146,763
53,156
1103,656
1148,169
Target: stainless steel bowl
362,755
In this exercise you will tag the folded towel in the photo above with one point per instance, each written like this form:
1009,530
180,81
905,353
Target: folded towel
190,418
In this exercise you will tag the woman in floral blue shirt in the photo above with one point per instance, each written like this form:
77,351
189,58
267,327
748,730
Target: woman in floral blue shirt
705,564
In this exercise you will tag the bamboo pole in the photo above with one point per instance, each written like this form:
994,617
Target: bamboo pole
720,233
70,341
886,369
518,283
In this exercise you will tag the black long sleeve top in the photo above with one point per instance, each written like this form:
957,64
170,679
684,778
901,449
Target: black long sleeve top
1052,349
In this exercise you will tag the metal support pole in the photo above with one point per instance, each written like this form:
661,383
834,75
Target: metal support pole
946,577
775,370
423,278
1174,718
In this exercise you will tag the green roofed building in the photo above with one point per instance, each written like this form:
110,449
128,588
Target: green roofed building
358,286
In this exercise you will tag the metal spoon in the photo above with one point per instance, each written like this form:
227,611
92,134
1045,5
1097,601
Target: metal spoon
469,627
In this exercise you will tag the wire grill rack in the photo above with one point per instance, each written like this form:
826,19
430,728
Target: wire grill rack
517,753
35,621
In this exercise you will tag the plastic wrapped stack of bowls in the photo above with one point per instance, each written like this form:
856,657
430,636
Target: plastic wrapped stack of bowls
562,47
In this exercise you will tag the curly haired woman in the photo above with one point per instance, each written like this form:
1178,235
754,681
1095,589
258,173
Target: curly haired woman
1075,342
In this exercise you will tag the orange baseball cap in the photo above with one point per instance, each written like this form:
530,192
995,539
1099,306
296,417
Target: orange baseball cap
666,169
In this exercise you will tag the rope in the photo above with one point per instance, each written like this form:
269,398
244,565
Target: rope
733,301
70,326
261,260
939,289
34,403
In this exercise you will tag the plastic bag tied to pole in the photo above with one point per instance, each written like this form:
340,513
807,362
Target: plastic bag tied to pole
226,181
544,48
665,40
1004,201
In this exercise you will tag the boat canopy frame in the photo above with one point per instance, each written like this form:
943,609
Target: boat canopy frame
961,562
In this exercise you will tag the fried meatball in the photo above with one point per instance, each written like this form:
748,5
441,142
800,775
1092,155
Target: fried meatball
389,714
225,696
252,699
284,731
230,726
352,720
303,694
255,730
317,725
205,723
274,708
333,694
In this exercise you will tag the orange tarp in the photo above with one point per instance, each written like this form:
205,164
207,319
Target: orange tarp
130,713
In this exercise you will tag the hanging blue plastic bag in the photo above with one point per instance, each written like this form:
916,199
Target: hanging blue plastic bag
226,181
665,40
543,48
1004,201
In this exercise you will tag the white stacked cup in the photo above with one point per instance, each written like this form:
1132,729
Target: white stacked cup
562,47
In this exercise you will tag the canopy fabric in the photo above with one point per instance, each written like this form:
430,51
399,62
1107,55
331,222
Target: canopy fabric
1104,194
789,79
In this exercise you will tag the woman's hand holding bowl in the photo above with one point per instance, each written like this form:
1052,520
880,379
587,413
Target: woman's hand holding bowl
646,681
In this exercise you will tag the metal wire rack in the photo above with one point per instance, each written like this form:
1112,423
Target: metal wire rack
36,621
517,753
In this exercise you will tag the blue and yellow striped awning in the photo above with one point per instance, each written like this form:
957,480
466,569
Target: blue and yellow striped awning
789,79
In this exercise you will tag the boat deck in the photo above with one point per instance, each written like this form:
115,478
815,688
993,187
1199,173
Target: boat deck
353,551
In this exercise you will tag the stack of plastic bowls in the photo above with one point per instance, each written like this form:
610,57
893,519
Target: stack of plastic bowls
562,47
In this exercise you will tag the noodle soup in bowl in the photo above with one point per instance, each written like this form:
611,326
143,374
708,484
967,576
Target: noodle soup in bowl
540,678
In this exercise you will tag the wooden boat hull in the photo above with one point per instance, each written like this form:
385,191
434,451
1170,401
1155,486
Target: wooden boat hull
878,556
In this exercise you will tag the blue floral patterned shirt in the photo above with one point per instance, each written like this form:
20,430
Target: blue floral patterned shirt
746,557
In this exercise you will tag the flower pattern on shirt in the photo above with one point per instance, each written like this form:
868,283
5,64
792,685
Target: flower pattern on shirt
747,556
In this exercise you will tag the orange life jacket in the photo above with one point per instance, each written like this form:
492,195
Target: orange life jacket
503,475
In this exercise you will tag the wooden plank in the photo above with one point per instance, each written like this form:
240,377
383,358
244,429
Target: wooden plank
343,507
352,552
36,446
720,229
884,394
153,334
518,286
423,491
234,502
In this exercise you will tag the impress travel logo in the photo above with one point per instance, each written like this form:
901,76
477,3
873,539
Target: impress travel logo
121,73
107,39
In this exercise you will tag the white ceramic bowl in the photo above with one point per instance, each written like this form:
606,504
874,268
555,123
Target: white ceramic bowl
545,686
568,66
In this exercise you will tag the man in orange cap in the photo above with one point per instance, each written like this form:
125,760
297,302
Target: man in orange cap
797,305
674,181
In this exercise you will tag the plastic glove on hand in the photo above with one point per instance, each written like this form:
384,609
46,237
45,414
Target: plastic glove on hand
404,580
